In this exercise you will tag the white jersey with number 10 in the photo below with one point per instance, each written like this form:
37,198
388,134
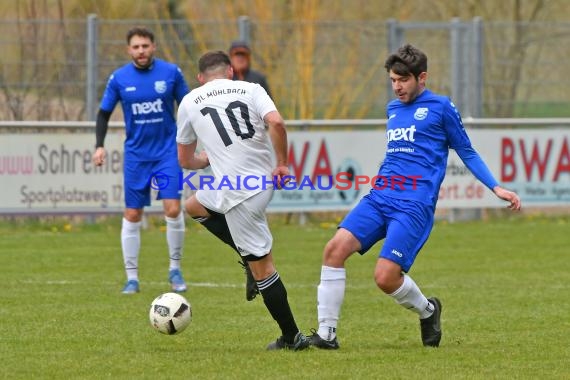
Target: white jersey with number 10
226,117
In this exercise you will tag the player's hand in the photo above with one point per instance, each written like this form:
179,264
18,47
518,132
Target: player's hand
509,196
202,157
99,156
281,176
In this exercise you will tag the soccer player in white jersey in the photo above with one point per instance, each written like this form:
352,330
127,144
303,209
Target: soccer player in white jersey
422,127
147,89
245,142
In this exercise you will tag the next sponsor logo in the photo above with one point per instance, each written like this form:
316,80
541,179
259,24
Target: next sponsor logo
144,108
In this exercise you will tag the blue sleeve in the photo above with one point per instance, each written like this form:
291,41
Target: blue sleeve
111,96
475,164
456,134
181,86
459,141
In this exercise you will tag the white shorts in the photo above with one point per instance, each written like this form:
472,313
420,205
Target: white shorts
247,221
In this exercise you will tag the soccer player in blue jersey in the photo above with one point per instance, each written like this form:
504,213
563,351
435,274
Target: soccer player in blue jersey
148,89
422,127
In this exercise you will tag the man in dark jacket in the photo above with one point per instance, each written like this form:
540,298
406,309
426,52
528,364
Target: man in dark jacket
240,55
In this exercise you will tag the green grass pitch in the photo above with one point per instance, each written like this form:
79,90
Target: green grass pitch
504,285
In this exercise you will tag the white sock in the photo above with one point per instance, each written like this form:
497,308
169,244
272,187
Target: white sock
410,296
131,243
175,228
330,295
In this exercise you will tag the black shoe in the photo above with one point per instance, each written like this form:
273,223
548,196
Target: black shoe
431,326
319,342
251,290
299,343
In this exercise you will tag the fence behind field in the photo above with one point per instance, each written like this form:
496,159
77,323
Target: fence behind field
57,69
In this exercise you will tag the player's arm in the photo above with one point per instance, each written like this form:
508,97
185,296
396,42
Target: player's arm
481,171
278,135
181,86
188,159
111,97
101,127
475,164
460,142
187,141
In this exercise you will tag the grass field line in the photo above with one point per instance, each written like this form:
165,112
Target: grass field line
289,284
111,283
559,286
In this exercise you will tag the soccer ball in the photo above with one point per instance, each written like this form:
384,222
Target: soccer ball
170,313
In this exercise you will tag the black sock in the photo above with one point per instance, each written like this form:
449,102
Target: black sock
216,223
275,299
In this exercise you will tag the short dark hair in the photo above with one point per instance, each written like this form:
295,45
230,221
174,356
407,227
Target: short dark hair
212,60
141,32
407,60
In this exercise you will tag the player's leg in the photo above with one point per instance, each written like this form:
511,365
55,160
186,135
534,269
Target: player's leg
130,243
175,229
330,292
175,232
274,295
137,196
360,229
407,233
216,223
248,225
166,180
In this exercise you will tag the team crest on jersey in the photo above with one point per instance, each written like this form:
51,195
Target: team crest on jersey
421,113
160,86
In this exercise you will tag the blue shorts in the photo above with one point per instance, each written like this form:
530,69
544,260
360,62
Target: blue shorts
404,224
140,177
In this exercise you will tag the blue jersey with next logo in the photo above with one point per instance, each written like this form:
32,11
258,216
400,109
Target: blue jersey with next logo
148,99
419,135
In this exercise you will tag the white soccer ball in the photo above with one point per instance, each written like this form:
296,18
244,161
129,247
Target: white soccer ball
170,313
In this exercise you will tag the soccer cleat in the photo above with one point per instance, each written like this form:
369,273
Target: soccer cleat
176,281
131,287
431,326
251,290
299,343
319,342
